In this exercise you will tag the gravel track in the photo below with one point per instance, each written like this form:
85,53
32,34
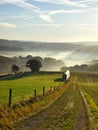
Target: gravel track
67,113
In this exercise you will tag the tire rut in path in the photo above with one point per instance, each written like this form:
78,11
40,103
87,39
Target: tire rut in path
51,114
82,121
42,121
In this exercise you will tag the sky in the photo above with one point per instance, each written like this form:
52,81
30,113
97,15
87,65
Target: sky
49,20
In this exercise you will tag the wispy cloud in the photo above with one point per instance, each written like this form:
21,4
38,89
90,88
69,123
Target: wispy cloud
24,17
7,25
88,1
48,25
76,26
82,5
79,4
86,27
46,15
53,12
26,5
66,2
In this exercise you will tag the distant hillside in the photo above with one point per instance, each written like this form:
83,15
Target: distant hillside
91,67
5,64
37,46
71,53
6,45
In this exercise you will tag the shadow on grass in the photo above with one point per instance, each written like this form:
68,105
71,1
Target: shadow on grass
15,76
26,74
59,80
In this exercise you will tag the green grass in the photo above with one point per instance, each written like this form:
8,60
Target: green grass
94,110
89,85
24,87
11,118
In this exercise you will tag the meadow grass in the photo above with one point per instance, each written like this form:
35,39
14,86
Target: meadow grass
24,87
89,85
11,118
94,110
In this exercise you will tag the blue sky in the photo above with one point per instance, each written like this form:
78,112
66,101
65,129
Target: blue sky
49,20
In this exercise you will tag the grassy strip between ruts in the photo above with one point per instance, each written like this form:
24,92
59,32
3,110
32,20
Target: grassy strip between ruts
10,117
93,110
66,119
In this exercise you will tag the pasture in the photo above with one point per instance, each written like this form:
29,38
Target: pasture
74,106
89,83
23,88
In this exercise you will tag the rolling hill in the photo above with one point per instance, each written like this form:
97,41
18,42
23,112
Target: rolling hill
71,53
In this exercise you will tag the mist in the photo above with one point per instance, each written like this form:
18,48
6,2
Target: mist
70,53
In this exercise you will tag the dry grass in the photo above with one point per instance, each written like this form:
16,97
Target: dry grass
10,117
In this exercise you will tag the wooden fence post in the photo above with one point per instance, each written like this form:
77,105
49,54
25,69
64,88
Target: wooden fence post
54,88
50,89
10,97
34,94
57,88
43,91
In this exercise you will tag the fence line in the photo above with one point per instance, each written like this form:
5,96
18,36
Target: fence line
34,94
44,93
10,97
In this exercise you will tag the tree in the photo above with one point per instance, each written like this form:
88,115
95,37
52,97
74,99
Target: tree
34,65
94,67
63,69
15,68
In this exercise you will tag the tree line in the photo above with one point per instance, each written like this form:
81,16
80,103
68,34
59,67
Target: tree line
48,63
33,64
28,63
91,67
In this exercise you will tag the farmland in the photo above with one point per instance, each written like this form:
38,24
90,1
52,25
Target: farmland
73,107
23,87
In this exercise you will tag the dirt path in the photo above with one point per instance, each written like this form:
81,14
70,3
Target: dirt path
82,121
66,113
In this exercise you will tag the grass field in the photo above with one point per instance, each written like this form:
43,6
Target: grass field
89,83
24,87
73,107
